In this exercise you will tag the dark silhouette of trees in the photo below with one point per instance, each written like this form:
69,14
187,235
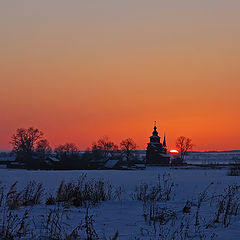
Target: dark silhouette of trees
66,151
128,146
43,149
104,148
24,143
183,145
70,157
33,151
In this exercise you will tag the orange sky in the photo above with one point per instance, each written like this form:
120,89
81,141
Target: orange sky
79,70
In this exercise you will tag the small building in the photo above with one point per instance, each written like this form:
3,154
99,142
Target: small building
96,164
111,164
156,153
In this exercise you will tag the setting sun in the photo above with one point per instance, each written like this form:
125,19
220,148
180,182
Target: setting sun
174,151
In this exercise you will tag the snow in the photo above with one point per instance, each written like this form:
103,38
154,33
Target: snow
111,163
125,215
140,166
213,157
7,158
53,159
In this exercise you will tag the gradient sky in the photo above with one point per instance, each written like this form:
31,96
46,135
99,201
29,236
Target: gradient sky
78,70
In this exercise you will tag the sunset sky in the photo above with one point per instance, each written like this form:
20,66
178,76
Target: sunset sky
79,70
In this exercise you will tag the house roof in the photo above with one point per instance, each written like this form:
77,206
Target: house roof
111,163
53,159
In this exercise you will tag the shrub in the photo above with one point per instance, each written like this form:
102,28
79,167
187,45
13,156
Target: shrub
13,198
12,225
50,200
32,194
162,190
84,191
227,205
54,226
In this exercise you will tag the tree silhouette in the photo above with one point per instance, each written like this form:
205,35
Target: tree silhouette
128,146
104,147
183,145
43,148
24,142
66,151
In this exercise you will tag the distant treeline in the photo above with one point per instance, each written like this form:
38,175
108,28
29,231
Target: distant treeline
33,151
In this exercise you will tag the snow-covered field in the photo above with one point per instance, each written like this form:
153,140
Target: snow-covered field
227,157
125,214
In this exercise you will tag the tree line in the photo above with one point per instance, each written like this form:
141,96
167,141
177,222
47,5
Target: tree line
32,150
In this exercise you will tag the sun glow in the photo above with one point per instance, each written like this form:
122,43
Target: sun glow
174,151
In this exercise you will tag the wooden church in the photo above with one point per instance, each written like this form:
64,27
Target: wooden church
156,153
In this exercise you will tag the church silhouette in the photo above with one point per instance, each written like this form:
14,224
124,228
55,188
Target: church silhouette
156,153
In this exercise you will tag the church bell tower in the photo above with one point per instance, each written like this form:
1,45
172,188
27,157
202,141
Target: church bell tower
156,151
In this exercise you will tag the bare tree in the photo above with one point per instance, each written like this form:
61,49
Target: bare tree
128,146
66,150
24,142
104,146
43,148
183,145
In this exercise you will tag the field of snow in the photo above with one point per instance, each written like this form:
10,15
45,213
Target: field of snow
228,157
125,214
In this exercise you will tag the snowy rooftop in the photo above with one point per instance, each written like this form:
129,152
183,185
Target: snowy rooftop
54,159
111,163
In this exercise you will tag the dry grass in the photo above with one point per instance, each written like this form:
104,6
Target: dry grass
162,190
84,192
29,196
